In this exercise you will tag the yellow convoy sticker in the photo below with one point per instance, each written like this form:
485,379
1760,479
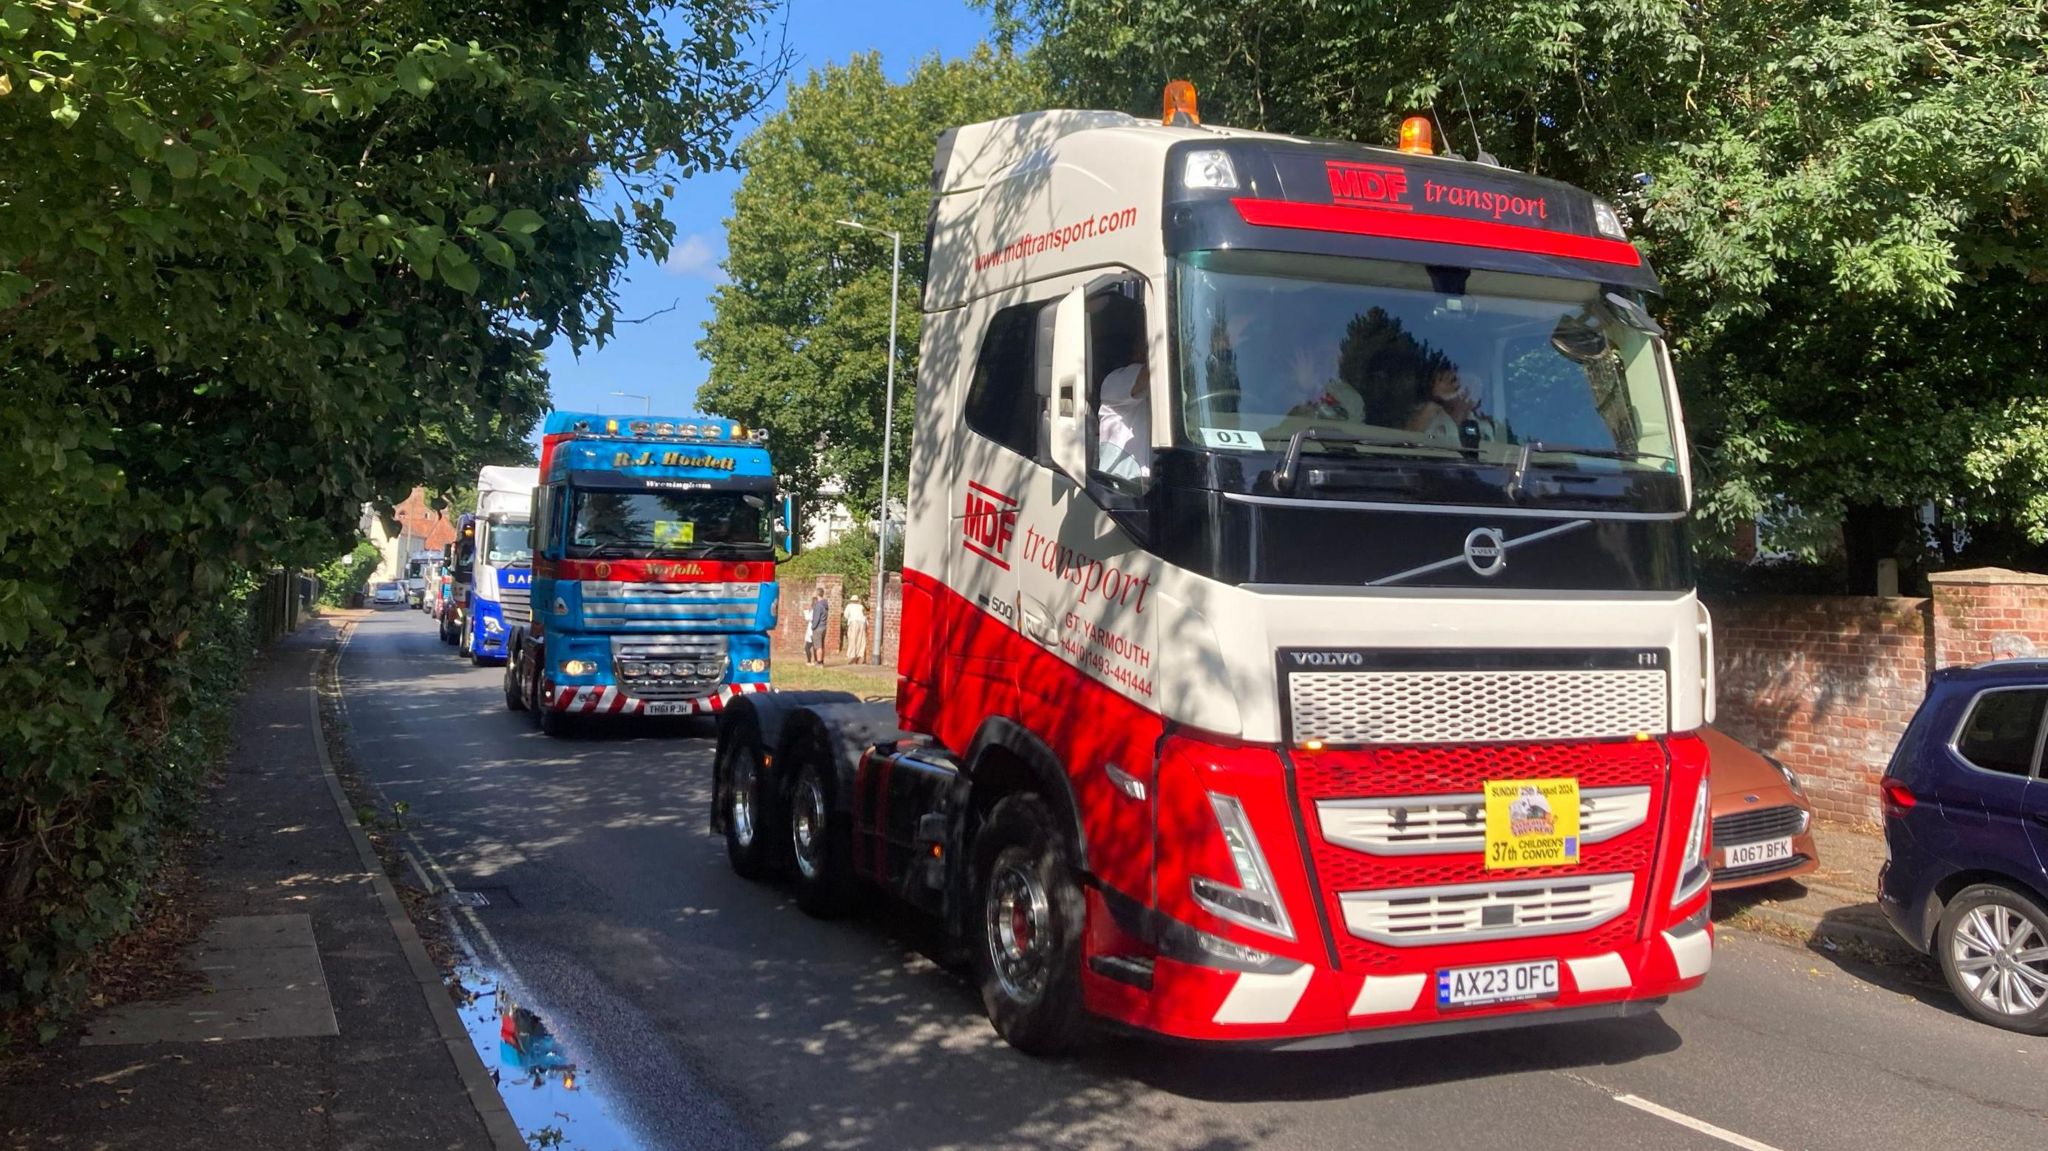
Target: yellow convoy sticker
1531,823
675,531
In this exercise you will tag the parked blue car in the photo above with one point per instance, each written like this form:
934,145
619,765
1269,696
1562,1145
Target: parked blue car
1966,825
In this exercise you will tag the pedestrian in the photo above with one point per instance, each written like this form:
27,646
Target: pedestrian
814,630
856,631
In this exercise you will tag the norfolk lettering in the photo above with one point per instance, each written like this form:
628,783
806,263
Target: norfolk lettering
672,459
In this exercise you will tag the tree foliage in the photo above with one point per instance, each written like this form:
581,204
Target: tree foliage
798,342
262,263
1846,198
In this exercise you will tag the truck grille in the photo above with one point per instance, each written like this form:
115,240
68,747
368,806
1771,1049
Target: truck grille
696,653
517,605
1419,825
1631,772
1757,826
624,606
1438,706
1463,913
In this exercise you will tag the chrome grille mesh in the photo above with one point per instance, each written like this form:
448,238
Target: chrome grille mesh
1459,913
1420,707
686,649
1422,824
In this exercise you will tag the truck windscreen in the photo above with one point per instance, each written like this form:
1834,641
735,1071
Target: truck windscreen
1418,363
508,544
689,523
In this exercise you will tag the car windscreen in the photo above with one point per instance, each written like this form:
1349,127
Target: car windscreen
671,523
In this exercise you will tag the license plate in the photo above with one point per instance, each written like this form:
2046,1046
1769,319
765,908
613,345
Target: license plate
668,707
1496,983
1751,854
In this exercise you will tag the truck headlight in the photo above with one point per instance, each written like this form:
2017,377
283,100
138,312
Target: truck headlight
657,669
631,671
578,667
1692,866
1255,901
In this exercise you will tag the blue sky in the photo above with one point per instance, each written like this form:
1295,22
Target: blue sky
658,358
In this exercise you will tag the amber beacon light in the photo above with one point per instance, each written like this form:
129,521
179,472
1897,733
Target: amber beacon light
1416,136
1180,105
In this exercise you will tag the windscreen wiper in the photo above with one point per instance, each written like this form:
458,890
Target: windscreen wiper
1287,478
1521,471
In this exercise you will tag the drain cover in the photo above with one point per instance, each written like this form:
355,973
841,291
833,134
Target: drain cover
470,898
484,897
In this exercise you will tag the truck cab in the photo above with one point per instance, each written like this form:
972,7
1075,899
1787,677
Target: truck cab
493,565
654,570
1299,643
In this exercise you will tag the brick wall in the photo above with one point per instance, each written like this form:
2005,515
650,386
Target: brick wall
1827,683
1824,683
787,640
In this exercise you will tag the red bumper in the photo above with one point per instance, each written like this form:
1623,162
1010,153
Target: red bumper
1372,920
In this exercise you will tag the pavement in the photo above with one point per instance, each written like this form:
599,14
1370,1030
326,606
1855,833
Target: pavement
627,991
313,1030
711,1013
1830,908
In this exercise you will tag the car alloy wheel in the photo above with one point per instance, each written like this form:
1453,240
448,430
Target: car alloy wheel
2001,960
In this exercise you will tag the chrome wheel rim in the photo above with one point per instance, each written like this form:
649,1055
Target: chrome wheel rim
740,804
807,826
1019,931
2001,959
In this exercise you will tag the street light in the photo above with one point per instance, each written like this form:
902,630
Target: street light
888,422
646,405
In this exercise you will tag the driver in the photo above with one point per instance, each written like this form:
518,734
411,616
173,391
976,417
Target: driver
1445,407
1124,416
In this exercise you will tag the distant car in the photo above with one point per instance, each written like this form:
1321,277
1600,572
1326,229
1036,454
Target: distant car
1966,830
1763,825
390,591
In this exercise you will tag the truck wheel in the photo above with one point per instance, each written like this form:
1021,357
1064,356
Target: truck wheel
1032,919
558,724
1993,948
820,850
750,809
446,635
515,691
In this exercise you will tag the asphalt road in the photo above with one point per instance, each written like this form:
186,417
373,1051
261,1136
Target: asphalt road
713,1011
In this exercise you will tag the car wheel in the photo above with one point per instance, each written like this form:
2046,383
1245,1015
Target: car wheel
1993,947
1032,919
820,850
750,814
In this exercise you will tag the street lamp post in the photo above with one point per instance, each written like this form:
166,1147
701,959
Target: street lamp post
888,428
646,404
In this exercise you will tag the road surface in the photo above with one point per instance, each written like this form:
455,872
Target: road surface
714,1011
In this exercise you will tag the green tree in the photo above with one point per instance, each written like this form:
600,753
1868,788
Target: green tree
1845,197
798,342
261,264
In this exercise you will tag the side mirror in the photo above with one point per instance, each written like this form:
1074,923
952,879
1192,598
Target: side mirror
1071,414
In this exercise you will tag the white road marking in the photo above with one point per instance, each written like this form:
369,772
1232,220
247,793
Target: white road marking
1699,1125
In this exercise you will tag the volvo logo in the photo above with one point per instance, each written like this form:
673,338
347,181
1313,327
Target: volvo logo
1329,659
1485,551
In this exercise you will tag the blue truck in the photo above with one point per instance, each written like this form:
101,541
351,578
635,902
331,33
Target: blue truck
493,566
653,569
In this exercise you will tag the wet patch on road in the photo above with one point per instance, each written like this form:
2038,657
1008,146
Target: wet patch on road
556,1101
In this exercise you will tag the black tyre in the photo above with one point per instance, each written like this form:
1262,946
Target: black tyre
1993,949
515,686
751,812
558,724
820,845
447,633
1032,916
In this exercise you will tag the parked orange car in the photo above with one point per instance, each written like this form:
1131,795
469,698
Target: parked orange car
1763,826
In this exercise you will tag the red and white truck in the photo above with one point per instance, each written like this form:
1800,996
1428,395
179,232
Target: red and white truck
1299,639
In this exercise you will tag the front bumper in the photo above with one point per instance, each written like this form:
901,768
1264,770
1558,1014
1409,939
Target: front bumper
609,700
1312,1006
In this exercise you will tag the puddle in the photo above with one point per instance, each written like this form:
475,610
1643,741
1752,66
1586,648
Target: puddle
557,1102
